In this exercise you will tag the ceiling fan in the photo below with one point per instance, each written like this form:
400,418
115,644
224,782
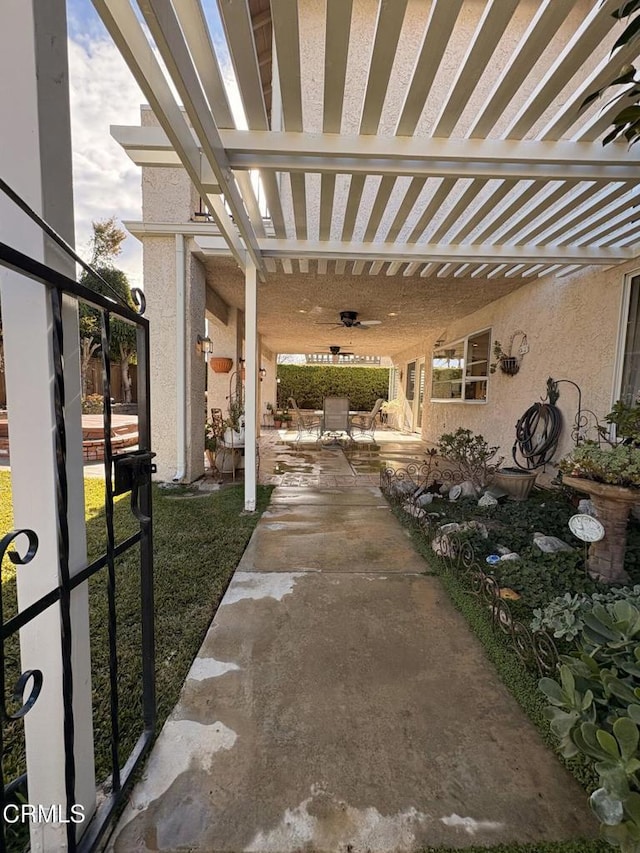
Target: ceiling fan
335,351
349,320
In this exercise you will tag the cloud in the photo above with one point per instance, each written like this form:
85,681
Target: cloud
106,183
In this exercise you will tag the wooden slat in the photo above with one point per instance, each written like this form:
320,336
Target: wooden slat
356,188
335,62
299,197
486,208
519,200
437,200
336,51
379,206
236,20
608,69
459,209
442,18
322,266
533,43
585,215
376,267
580,234
388,26
428,270
585,41
406,206
543,202
492,25
564,201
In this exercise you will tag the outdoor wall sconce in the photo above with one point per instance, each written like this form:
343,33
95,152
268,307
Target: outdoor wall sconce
262,372
204,346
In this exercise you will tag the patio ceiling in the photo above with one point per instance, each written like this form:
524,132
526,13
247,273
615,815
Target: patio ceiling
455,153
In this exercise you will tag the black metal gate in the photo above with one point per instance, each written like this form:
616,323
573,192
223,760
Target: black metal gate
124,472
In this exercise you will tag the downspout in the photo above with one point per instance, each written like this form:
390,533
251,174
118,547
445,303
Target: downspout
181,355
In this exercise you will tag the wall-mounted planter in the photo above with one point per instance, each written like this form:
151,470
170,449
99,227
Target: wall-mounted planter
221,365
509,365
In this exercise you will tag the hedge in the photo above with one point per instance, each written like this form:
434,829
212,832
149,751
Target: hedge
310,384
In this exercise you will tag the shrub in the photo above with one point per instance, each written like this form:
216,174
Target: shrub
471,453
618,466
594,711
92,404
565,615
310,384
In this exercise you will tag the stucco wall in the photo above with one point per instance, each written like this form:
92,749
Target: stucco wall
224,346
572,329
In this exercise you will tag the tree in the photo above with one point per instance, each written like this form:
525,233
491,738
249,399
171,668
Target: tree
627,122
106,243
123,335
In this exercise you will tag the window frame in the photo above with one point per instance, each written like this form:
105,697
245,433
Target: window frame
466,378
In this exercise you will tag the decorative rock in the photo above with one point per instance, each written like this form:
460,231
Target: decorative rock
441,546
403,487
487,500
511,556
452,527
550,544
413,510
477,526
468,490
455,492
587,507
444,489
425,499
502,550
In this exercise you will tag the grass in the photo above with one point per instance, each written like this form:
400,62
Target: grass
198,542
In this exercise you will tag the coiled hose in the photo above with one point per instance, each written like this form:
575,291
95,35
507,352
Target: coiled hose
537,435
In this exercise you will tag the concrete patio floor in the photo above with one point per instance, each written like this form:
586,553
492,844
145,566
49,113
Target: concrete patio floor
340,703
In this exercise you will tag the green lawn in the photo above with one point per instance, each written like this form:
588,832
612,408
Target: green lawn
198,542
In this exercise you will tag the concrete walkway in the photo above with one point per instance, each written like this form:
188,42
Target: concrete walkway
340,703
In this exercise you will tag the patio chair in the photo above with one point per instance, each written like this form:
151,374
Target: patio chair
363,425
306,423
335,419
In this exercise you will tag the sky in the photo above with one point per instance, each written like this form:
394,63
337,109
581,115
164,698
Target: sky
103,92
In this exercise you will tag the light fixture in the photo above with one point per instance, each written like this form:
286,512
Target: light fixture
204,346
262,372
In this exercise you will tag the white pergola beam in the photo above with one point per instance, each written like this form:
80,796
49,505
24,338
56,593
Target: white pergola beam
131,40
437,253
415,156
170,41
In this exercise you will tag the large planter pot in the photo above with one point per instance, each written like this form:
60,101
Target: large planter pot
228,460
613,504
221,365
515,482
234,438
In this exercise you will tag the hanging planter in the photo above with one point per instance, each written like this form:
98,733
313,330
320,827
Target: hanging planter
221,365
508,363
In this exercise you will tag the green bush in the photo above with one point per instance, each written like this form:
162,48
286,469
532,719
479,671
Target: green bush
594,711
564,616
93,404
310,384
618,466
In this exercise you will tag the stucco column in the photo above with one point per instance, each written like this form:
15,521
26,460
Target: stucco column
196,369
251,390
36,161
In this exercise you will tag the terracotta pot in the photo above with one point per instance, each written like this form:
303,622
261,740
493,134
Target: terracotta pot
221,365
613,504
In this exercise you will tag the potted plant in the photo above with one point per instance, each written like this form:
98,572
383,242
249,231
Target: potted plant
234,432
610,475
278,418
287,419
504,359
210,442
220,365
268,418
507,363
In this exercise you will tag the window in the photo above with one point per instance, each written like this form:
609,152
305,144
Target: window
630,385
410,388
459,371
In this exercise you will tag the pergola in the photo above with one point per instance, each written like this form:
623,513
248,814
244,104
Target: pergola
434,156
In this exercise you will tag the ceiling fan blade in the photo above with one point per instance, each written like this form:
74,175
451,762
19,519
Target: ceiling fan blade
369,323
